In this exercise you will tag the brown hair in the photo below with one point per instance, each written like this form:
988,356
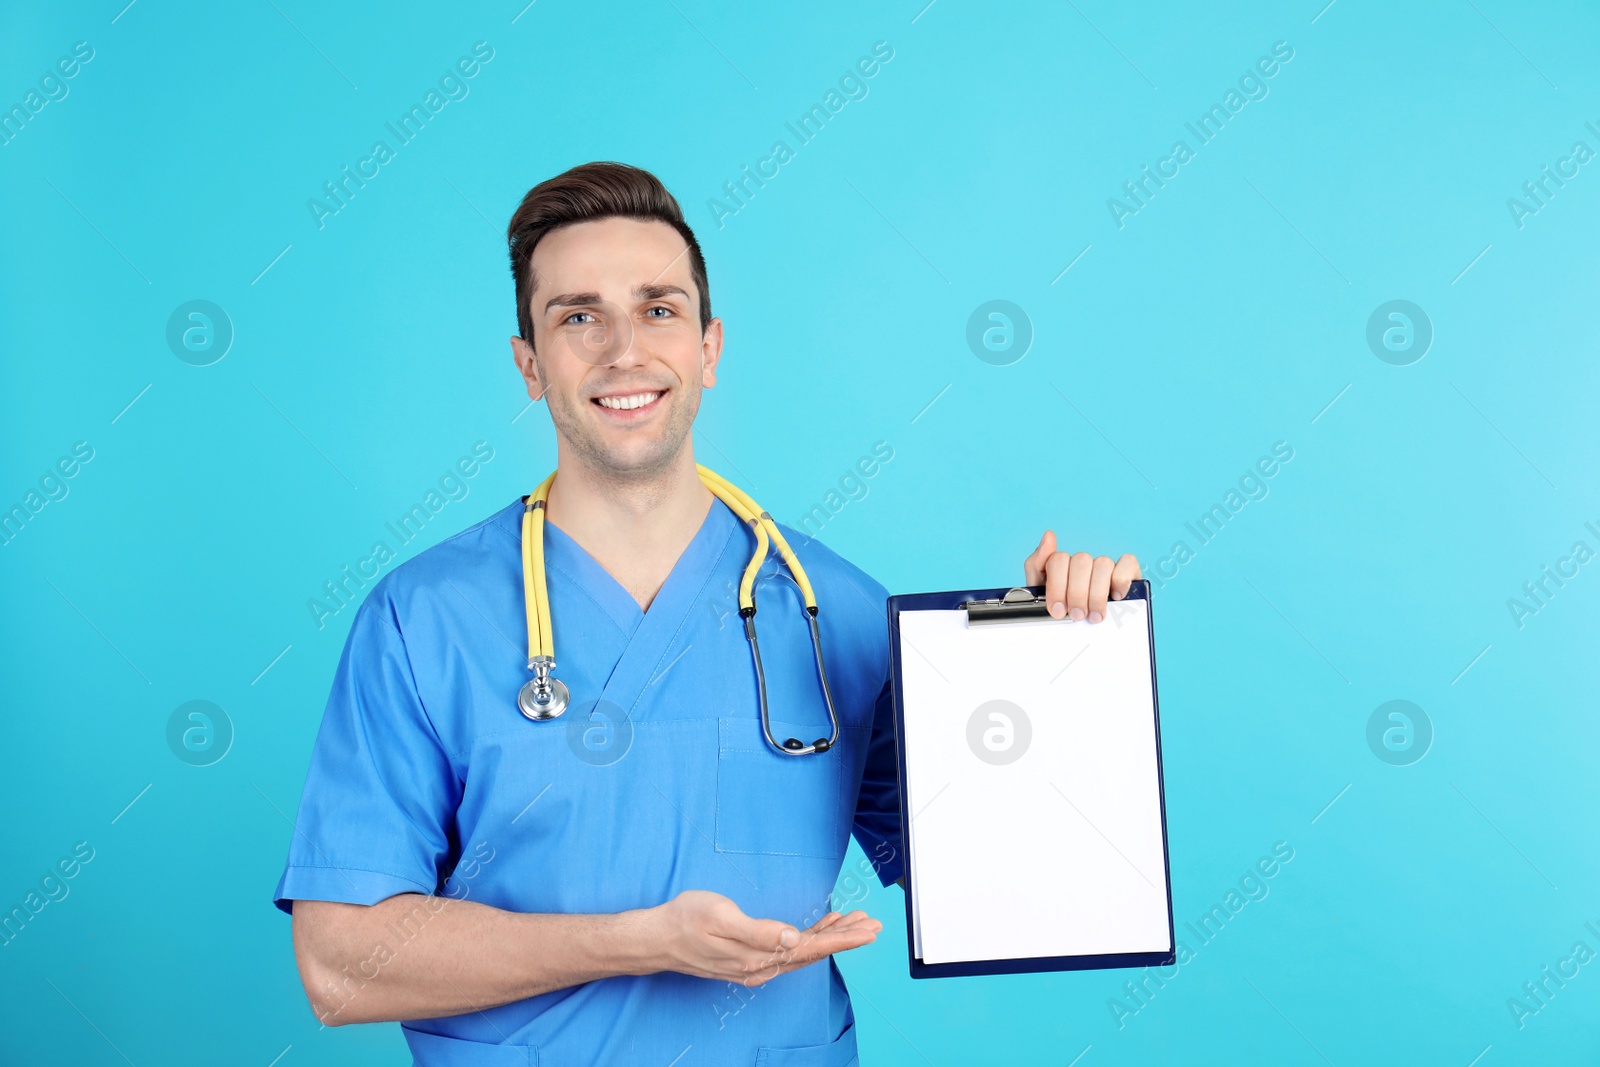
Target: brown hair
587,192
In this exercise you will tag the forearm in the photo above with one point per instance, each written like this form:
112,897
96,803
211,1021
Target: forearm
415,957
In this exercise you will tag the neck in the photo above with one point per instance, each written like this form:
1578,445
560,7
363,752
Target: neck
620,516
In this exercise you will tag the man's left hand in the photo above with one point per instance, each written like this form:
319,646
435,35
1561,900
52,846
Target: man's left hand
1077,584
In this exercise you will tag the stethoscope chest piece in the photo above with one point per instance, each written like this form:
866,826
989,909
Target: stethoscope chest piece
542,696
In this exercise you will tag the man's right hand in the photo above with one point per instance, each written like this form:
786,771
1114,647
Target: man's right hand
706,935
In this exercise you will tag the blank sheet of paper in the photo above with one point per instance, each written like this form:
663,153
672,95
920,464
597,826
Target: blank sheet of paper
1033,787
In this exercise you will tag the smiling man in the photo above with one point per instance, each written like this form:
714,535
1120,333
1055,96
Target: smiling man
644,878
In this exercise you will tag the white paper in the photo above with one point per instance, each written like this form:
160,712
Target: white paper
1060,852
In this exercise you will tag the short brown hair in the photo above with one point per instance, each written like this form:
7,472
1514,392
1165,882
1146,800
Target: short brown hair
585,193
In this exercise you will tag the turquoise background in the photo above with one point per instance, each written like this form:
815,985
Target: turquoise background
1227,315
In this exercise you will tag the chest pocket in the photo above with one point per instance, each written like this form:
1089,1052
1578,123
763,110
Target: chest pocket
775,805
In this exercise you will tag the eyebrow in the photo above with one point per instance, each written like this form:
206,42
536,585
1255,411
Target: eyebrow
650,291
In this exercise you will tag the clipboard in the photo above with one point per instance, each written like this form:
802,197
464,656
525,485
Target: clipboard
1041,739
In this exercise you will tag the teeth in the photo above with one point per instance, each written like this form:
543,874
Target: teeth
626,403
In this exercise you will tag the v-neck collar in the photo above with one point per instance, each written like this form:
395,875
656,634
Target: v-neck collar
677,593
650,634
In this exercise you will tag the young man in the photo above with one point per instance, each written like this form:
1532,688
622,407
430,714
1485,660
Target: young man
643,879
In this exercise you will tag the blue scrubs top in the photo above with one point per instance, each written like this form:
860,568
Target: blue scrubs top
426,779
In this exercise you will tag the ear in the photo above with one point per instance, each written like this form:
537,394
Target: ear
528,367
710,353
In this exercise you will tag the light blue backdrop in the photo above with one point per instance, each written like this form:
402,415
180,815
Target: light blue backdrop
1227,313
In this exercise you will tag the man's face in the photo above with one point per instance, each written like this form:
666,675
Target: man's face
617,350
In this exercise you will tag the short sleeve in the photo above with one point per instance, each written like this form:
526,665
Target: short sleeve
877,824
378,811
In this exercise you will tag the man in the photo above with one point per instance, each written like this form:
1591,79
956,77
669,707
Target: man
643,879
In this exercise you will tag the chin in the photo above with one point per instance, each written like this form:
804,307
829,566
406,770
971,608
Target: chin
633,458
637,453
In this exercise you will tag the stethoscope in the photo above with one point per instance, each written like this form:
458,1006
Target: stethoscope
545,696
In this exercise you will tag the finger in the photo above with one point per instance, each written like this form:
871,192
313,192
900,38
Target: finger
844,925
1078,586
835,939
768,934
1099,586
854,921
758,970
1033,566
1123,575
1055,584
832,924
828,945
841,940
751,967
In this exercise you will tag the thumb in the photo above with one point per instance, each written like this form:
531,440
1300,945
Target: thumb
1033,566
770,934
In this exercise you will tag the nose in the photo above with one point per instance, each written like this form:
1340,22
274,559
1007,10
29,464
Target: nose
627,347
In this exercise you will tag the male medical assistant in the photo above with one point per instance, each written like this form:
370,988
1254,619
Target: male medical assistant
427,779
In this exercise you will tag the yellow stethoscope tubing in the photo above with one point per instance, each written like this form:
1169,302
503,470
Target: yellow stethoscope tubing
747,581
540,637
750,513
536,600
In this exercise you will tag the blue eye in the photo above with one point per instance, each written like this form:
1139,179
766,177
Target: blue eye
667,310
575,314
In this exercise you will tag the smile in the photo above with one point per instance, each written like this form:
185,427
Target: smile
630,401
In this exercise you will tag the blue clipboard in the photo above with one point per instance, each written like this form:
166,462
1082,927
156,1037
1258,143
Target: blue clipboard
1023,609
